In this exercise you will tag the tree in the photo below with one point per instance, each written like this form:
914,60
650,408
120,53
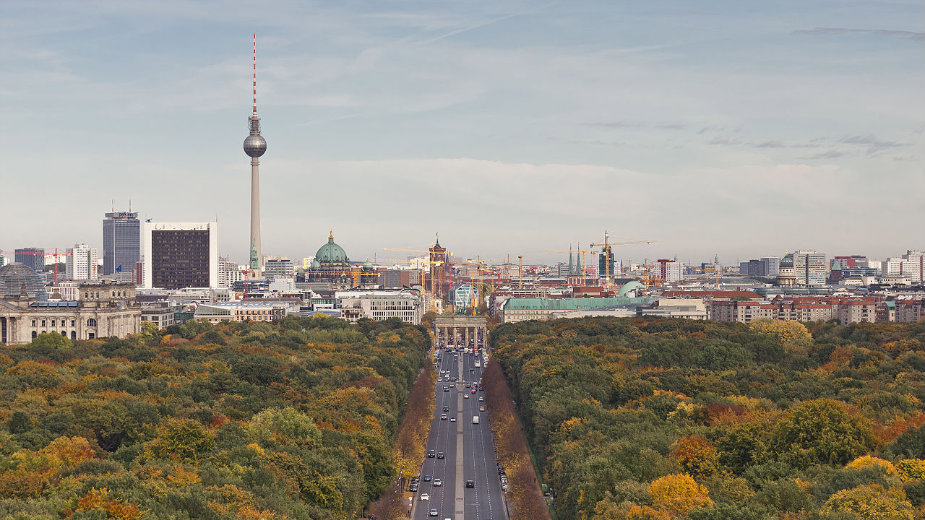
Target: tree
793,335
678,494
181,440
870,502
696,455
821,431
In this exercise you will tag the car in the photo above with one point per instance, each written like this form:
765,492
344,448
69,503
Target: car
427,478
470,483
443,417
433,512
413,487
446,408
446,389
473,391
452,419
415,480
431,454
481,408
481,398
468,385
465,396
441,455
425,496
438,482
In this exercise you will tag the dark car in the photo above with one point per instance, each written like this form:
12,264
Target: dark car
427,478
413,487
470,483
441,455
431,454
446,388
446,408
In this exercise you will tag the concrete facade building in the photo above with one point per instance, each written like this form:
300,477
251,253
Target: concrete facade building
380,305
82,262
810,267
121,244
670,270
241,311
178,255
228,272
278,267
101,310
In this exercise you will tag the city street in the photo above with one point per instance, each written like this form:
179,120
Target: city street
467,448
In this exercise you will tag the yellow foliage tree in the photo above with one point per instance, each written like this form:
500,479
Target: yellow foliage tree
69,451
911,469
870,502
696,455
866,461
646,513
678,494
793,335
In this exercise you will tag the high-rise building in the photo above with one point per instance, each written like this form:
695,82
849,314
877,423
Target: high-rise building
605,263
180,254
810,267
121,244
279,267
228,272
82,262
670,270
770,266
255,146
33,257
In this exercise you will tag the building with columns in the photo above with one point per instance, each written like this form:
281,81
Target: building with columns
102,309
461,331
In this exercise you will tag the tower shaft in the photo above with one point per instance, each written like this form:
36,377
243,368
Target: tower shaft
255,250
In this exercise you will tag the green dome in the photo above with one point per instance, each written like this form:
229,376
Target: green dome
331,253
629,286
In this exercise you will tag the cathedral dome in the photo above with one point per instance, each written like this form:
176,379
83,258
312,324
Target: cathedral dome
17,278
331,253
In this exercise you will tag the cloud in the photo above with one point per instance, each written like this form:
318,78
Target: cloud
873,144
839,31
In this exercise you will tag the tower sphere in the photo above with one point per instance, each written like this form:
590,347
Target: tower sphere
255,145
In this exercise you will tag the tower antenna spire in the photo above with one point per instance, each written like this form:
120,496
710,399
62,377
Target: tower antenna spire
255,74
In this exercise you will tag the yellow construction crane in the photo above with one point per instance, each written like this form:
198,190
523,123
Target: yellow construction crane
606,248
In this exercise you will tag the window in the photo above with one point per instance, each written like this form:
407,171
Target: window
63,333
34,334
73,323
43,323
53,323
91,322
73,334
33,323
91,335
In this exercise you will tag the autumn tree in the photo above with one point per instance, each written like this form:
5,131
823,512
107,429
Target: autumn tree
870,502
678,494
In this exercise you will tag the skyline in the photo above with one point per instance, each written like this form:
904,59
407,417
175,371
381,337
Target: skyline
514,128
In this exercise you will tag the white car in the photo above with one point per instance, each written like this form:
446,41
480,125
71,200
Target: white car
438,482
425,496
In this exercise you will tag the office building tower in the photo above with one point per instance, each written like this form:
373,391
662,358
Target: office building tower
810,267
121,244
32,257
279,267
178,255
82,262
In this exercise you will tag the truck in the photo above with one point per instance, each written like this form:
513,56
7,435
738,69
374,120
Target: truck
475,419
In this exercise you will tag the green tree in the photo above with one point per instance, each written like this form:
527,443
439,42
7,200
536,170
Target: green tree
821,431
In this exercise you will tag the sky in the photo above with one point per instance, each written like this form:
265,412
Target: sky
509,127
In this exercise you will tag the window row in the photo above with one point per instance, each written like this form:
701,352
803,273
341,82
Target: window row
91,322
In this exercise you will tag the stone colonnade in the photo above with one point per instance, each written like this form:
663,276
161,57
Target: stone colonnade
460,331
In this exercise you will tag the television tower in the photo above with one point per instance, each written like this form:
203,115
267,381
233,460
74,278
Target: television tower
255,146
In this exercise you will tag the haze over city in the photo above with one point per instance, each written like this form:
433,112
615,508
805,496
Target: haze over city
512,127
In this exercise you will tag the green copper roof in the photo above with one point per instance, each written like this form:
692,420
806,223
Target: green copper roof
331,252
572,304
629,286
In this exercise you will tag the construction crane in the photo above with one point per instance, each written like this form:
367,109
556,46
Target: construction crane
606,249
